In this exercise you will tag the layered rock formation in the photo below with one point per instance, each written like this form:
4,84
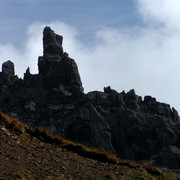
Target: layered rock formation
123,123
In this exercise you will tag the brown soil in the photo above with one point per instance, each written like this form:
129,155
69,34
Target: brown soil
26,157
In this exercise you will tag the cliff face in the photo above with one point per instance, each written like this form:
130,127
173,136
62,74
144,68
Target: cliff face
122,123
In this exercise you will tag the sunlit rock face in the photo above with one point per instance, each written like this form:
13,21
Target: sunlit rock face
124,124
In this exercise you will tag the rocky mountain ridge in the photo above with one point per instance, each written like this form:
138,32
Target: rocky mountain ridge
123,123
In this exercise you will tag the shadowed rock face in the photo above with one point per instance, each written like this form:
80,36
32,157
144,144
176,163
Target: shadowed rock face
7,77
52,43
8,69
122,123
55,67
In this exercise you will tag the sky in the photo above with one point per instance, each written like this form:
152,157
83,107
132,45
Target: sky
125,44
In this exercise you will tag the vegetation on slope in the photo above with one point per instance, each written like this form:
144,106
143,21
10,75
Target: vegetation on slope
27,153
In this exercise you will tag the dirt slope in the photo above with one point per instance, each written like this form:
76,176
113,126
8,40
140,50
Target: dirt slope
24,156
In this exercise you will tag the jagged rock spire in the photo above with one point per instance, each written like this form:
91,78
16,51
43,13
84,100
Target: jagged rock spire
7,76
8,68
55,66
52,43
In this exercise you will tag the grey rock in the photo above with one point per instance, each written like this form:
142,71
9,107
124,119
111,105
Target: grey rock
168,157
7,77
122,123
8,69
52,43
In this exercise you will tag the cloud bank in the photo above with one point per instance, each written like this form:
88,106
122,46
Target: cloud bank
146,59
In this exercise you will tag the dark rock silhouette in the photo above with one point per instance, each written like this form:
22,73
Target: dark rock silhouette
7,77
52,43
55,67
122,123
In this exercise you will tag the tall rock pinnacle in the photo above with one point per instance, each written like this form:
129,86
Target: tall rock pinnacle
52,43
55,66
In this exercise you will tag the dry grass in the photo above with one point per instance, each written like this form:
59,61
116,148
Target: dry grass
129,164
48,137
97,154
152,170
14,124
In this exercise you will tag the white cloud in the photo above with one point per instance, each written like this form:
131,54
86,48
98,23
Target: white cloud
146,59
161,11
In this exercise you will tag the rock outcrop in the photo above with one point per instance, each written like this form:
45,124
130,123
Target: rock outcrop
123,123
56,68
7,76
